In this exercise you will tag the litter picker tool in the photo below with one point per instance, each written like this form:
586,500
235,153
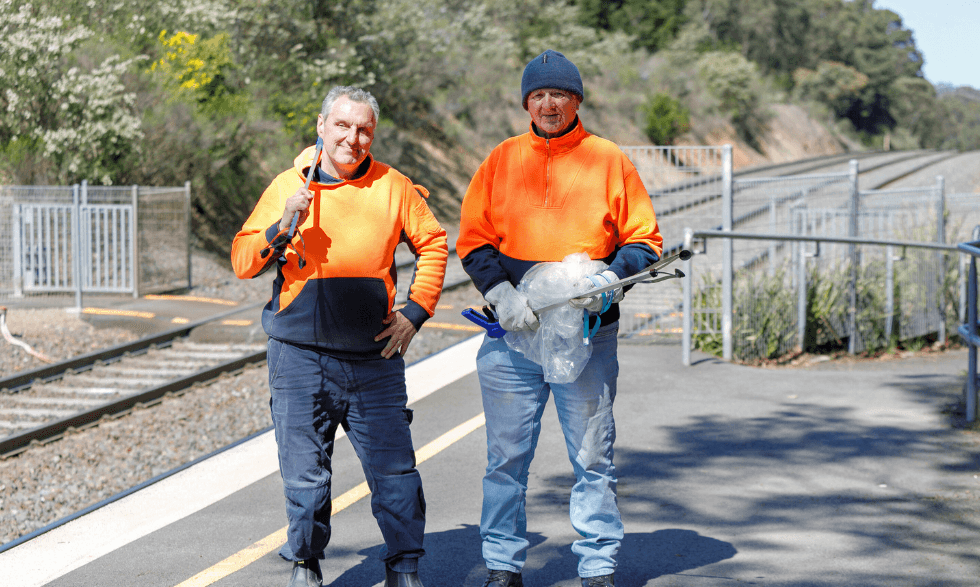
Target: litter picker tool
652,274
286,237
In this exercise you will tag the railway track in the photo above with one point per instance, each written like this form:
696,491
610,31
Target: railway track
41,405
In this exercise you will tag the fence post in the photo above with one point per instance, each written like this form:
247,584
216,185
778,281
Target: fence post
940,257
726,253
962,277
889,293
772,230
853,256
688,322
134,242
76,245
18,238
801,295
187,211
971,371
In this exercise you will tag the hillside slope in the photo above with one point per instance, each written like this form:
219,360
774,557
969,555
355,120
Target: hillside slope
445,166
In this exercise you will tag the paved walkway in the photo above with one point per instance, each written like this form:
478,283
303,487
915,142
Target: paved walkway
839,474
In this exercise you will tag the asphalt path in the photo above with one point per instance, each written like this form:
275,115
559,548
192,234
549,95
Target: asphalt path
838,474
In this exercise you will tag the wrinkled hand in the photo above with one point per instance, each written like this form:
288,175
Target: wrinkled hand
595,304
513,310
298,202
401,330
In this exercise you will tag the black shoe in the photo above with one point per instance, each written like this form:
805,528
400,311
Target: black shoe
306,574
396,579
503,579
600,581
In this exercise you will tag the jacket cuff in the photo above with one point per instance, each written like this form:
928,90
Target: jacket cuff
415,313
631,259
271,232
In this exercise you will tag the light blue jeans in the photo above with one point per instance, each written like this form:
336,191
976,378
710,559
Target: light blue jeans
514,398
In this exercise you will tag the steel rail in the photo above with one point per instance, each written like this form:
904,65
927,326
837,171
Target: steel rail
50,431
83,362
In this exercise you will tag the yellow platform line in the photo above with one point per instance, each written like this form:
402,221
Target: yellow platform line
104,312
254,552
450,326
190,299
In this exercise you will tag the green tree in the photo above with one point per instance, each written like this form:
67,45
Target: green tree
832,83
666,119
653,23
735,82
782,36
959,119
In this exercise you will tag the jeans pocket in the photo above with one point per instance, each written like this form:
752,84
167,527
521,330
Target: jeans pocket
608,331
275,358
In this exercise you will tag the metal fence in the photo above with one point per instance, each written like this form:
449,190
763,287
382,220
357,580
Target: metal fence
907,291
57,240
869,305
685,185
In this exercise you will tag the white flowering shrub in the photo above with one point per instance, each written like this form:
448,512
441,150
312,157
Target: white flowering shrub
78,122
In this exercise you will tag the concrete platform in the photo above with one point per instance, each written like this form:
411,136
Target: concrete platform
838,475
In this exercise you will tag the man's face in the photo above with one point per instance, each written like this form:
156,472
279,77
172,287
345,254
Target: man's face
347,133
552,110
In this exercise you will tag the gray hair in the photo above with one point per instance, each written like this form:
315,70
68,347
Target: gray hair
353,94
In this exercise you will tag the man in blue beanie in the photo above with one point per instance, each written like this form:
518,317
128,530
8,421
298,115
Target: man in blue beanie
538,197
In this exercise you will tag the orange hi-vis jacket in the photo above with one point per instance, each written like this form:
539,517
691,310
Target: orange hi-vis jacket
535,199
337,301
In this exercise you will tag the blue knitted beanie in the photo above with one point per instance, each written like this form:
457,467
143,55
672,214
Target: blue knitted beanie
551,69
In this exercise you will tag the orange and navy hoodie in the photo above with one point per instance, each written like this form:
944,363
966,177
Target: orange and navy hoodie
336,302
535,199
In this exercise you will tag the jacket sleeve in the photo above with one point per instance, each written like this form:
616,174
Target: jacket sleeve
427,239
478,245
640,241
259,230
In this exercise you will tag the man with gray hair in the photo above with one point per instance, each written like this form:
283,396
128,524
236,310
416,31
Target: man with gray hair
335,345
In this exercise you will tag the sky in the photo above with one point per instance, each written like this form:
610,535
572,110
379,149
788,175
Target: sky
945,32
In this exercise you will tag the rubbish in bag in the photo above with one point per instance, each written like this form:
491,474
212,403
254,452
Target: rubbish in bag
557,344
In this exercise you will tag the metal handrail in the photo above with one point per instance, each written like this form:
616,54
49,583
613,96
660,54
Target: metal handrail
826,239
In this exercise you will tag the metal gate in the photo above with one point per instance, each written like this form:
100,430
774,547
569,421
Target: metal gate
85,239
58,247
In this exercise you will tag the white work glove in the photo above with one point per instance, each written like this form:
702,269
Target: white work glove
513,310
594,304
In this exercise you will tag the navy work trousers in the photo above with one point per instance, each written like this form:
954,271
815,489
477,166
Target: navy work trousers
312,394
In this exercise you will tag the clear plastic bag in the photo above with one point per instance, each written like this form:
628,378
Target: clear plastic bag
557,345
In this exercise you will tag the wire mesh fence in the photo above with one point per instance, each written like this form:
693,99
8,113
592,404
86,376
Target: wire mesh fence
164,239
64,240
685,186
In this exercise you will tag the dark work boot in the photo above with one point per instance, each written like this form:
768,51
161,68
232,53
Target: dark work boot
503,579
600,581
395,579
306,574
